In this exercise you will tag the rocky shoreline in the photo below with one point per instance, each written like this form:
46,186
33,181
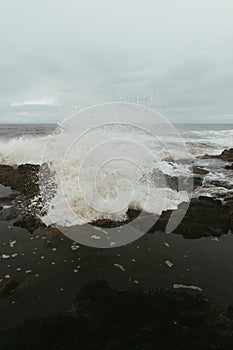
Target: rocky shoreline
102,317
105,318
205,216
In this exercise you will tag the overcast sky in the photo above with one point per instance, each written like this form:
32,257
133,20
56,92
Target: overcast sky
57,56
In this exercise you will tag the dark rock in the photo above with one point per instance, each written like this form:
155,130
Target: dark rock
225,155
8,288
174,182
9,213
24,178
199,171
31,223
186,182
229,167
205,217
197,181
221,183
106,318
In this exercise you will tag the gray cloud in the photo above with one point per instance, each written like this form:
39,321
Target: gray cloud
177,60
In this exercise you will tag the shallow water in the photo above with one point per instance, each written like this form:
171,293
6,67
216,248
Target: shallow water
206,263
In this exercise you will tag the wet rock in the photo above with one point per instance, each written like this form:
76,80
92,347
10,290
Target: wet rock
229,167
106,318
174,182
221,183
199,171
225,155
31,223
205,217
23,178
9,213
8,288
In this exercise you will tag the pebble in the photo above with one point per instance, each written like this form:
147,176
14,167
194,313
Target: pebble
5,256
169,263
183,286
74,247
121,267
12,243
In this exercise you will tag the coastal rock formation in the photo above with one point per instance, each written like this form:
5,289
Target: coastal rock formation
30,222
229,167
199,170
205,217
111,319
23,178
227,155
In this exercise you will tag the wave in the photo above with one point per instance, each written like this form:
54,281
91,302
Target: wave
20,150
101,176
104,171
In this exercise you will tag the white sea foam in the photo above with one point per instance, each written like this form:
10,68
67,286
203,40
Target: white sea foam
78,194
103,173
22,150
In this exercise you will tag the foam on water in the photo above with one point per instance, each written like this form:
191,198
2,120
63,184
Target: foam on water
77,193
105,171
22,150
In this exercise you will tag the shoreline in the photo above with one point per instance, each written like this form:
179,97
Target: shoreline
47,286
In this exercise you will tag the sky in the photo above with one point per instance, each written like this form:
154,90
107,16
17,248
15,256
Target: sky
59,56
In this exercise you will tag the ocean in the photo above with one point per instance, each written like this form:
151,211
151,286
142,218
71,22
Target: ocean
51,271
102,175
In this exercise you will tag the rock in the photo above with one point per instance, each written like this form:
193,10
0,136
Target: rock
31,223
199,171
205,217
9,213
173,182
229,167
111,319
24,178
186,181
8,288
225,155
221,183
